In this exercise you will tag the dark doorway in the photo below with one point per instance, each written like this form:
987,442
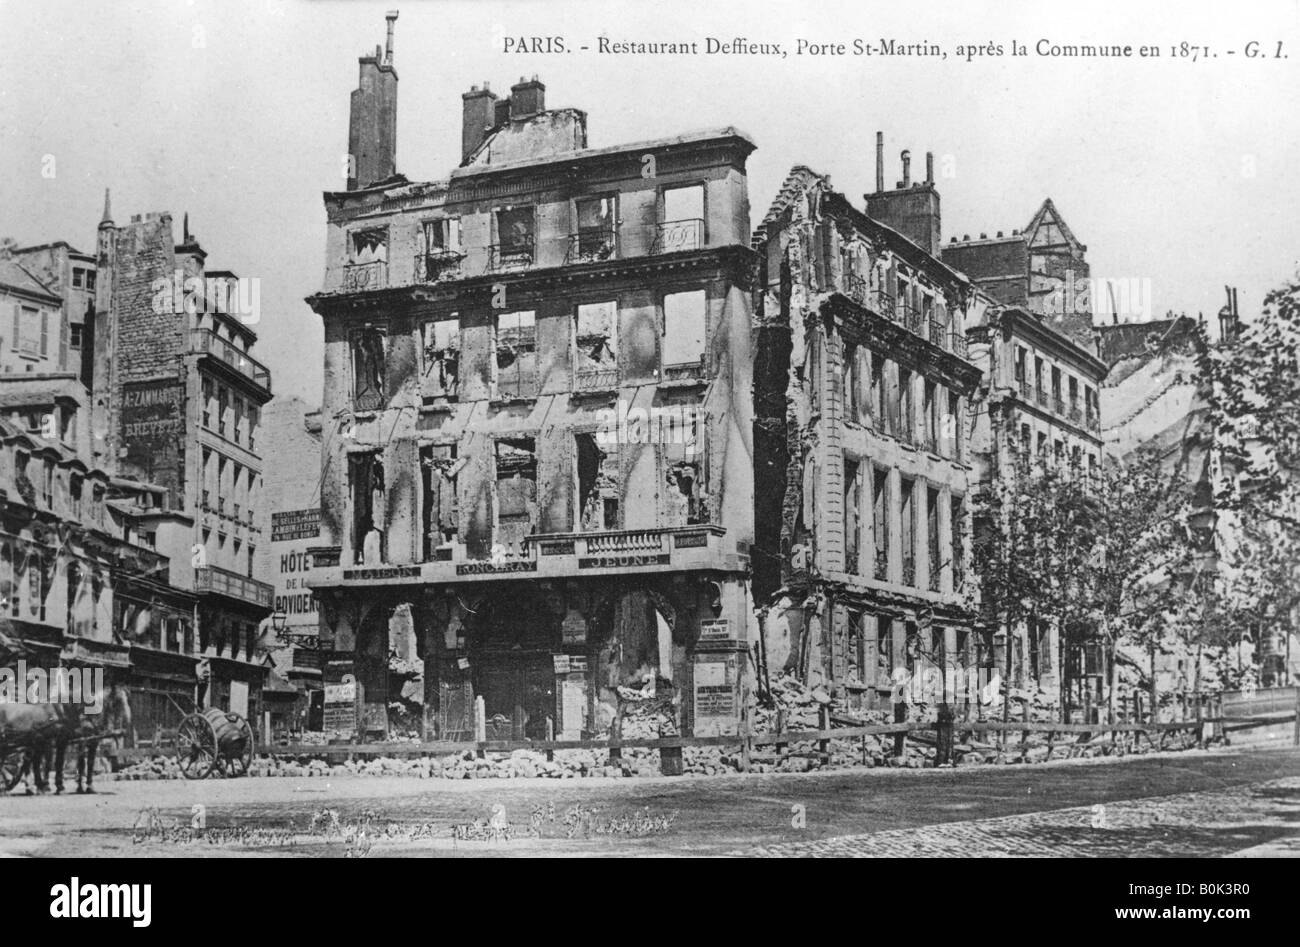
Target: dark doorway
513,667
518,690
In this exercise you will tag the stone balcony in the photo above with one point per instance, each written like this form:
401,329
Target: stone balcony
556,555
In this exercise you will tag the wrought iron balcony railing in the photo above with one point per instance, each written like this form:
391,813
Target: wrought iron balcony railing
515,255
233,585
359,277
883,304
207,342
589,245
911,319
438,266
855,287
684,371
938,333
909,571
677,235
1058,406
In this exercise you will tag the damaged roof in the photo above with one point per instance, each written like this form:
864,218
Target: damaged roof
802,178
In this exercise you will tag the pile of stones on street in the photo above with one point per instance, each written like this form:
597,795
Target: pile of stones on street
800,708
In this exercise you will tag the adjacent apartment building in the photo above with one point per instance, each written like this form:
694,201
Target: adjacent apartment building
536,480
863,477
1040,401
175,403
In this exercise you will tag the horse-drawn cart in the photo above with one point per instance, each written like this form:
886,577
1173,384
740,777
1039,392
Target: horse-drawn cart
11,766
214,740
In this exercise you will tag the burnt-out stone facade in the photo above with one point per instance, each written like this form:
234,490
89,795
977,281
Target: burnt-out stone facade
536,483
862,469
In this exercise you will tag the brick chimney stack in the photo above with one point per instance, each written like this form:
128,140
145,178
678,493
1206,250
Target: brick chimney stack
372,126
911,208
478,117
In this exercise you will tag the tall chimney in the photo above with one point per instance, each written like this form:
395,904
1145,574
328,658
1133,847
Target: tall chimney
527,98
478,116
880,162
911,209
391,17
372,125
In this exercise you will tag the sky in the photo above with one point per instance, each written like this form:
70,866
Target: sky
1178,173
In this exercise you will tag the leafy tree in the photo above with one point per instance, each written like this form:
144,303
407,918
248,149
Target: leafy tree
1097,557
1251,385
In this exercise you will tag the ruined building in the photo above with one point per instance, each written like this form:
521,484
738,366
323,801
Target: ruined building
536,481
862,383
175,403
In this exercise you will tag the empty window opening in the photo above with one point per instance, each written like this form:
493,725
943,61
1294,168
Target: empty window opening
595,237
596,341
683,226
852,515
516,361
369,246
906,414
684,326
441,521
442,236
516,475
880,522
684,489
366,479
598,479
908,526
515,235
367,370
877,397
441,357
932,536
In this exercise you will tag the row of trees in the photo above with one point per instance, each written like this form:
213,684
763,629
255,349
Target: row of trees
1105,559
1192,551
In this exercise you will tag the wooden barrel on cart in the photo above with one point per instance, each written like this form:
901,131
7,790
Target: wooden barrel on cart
229,729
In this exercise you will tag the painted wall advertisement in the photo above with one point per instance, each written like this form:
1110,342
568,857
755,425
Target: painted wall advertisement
292,532
152,424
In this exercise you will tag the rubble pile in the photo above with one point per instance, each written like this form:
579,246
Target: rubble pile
649,720
799,708
568,764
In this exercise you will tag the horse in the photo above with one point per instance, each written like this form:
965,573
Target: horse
35,729
86,731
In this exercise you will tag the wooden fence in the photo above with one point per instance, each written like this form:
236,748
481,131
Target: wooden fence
1123,737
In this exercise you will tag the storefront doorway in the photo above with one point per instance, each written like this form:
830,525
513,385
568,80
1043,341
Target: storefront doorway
513,667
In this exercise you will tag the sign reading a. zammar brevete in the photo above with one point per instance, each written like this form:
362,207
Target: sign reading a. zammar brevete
152,425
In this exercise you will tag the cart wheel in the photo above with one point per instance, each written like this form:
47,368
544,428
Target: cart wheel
241,759
11,769
196,747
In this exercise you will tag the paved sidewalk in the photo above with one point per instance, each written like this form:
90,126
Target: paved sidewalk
1255,820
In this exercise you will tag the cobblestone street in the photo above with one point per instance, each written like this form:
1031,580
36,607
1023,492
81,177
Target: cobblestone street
1225,802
